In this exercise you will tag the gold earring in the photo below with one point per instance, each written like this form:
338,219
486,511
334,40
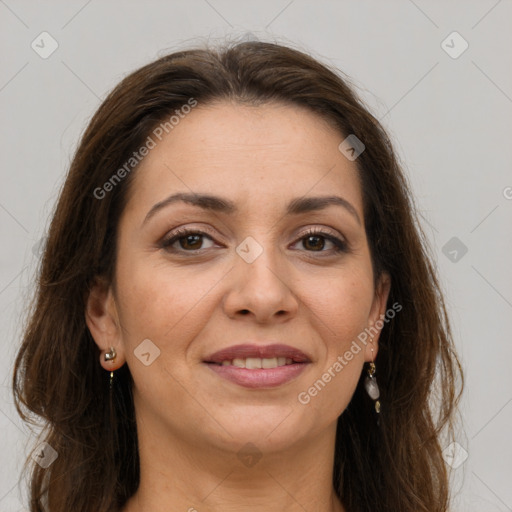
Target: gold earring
371,385
110,356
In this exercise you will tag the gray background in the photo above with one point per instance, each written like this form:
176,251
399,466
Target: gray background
450,119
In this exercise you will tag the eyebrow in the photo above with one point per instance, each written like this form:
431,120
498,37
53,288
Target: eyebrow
222,205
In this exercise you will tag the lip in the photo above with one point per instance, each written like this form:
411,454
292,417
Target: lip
260,377
263,351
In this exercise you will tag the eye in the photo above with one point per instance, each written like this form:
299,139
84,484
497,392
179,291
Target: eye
317,241
190,240
187,240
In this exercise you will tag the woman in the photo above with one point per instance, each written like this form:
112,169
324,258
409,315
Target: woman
236,309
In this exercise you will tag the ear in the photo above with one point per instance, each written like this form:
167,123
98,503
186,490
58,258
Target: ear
377,315
102,320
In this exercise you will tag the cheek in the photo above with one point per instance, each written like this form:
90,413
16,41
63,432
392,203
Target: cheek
157,302
340,308
342,304
161,302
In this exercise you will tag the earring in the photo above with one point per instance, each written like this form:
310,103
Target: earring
110,356
371,385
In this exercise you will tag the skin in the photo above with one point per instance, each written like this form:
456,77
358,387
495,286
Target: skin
192,423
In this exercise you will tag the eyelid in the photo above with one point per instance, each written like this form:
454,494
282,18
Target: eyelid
339,241
182,231
321,230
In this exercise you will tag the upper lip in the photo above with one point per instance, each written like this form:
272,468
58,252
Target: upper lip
262,351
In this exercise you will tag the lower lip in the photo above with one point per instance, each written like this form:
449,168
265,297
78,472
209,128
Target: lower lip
259,378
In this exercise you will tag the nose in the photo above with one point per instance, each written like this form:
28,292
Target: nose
261,290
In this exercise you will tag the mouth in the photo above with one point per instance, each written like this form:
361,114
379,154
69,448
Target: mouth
257,362
256,366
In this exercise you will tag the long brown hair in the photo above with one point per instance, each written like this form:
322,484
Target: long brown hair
396,465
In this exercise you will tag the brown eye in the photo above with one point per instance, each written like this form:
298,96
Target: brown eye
186,241
321,242
314,242
191,242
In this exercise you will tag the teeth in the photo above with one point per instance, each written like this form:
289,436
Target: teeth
269,363
258,362
253,362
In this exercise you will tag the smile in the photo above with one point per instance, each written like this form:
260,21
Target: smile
258,366
258,362
258,377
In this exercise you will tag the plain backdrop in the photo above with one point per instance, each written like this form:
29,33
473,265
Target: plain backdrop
445,98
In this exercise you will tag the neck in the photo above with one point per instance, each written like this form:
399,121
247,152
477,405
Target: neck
178,474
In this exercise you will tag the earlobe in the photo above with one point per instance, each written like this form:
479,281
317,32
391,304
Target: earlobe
102,320
377,313
380,298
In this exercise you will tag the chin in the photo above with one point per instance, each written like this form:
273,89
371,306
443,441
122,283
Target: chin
269,428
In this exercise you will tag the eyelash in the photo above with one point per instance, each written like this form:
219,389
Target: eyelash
166,243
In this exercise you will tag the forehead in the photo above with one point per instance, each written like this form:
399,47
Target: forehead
263,154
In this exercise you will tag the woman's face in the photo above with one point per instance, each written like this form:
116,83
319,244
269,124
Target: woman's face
265,262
